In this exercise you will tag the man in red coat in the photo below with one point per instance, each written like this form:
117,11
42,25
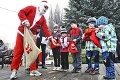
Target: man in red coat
30,17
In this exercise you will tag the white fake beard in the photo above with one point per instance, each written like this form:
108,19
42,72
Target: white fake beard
42,10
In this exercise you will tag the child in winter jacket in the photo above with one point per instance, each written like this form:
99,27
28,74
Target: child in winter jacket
56,47
64,41
76,36
91,49
108,41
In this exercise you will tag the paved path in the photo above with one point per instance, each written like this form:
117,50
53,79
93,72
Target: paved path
48,74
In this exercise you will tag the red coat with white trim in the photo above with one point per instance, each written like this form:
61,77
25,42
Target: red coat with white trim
30,13
64,44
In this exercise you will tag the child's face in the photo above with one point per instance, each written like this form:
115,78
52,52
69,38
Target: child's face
100,26
73,25
55,29
63,35
90,25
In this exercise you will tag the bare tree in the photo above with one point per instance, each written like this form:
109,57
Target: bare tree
57,15
51,21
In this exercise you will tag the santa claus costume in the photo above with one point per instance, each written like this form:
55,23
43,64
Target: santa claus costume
33,17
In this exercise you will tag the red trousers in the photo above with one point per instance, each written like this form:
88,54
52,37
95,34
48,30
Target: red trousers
18,52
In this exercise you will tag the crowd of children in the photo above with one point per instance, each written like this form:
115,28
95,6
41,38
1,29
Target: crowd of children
60,48
100,37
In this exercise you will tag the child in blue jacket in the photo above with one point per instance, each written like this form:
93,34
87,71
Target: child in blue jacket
108,41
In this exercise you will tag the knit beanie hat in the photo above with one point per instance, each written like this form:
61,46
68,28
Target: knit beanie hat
73,21
102,21
55,26
63,29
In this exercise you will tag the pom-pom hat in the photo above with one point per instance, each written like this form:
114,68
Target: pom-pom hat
63,29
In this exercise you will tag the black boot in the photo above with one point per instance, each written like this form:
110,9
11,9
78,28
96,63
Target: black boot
78,70
27,70
74,70
44,67
105,77
116,60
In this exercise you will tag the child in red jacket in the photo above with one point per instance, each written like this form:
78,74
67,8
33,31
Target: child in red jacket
56,47
64,50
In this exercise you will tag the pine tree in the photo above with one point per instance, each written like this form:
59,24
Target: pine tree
81,10
74,11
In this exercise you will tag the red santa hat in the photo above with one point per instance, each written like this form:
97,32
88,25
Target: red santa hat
43,3
43,6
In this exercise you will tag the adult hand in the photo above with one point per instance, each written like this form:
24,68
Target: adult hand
26,24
